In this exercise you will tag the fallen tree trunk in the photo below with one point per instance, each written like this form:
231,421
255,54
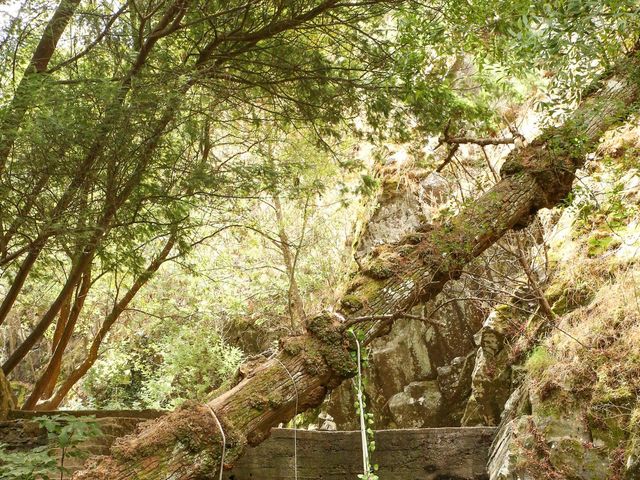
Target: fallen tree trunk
186,444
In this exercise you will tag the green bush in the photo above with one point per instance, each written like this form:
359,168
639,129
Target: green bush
65,433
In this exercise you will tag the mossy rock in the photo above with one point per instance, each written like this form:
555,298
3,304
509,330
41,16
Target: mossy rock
608,432
572,298
579,461
539,361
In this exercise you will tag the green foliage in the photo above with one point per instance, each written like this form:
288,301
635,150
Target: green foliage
161,368
572,40
65,433
193,366
35,464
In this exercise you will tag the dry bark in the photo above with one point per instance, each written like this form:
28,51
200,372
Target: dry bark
186,443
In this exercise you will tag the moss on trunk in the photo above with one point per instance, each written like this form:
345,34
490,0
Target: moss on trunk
185,444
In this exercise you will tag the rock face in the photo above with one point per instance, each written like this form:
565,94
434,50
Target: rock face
558,445
494,376
419,375
576,414
409,406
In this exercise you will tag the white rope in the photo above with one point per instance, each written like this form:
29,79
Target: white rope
295,431
363,425
224,439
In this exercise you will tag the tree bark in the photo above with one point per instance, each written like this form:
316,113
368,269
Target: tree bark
61,327
186,444
48,378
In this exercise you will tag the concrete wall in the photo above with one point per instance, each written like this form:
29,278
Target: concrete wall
417,454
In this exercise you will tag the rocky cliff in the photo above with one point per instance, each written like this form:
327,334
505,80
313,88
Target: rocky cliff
555,362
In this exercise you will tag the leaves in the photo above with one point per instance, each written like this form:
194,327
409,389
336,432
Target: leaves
64,432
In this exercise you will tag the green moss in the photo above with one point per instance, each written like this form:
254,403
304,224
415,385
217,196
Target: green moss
556,290
634,420
259,403
609,432
276,400
314,361
328,347
351,303
362,290
389,189
566,298
323,327
560,306
292,345
538,362
598,244
619,395
370,288
549,408
380,269
578,460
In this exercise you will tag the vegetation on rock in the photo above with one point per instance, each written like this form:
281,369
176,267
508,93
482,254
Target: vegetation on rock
202,202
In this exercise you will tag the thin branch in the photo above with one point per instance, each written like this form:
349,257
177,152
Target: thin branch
390,317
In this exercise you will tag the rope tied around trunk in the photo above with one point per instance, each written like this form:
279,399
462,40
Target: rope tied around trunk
224,439
295,430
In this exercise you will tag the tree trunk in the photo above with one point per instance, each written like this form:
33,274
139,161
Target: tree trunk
19,279
186,444
79,372
49,377
61,327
